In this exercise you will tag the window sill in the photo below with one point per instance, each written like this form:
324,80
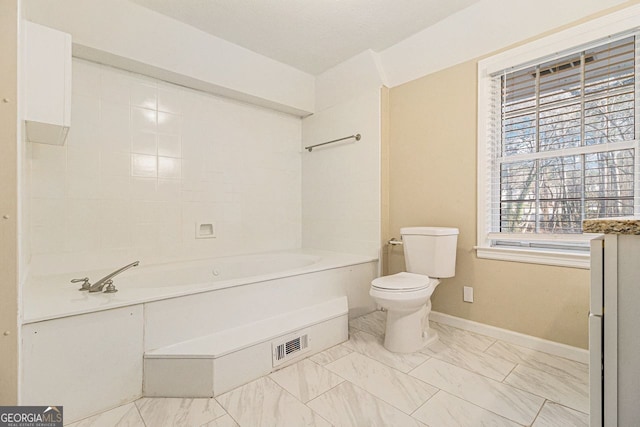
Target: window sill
545,257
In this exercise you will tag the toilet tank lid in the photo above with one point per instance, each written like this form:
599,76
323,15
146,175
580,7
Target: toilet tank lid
429,231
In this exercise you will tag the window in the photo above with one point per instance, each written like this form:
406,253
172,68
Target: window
558,143
563,138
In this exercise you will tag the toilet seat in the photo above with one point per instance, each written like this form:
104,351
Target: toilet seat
403,282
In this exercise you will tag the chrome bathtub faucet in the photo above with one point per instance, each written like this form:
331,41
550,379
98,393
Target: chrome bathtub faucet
105,281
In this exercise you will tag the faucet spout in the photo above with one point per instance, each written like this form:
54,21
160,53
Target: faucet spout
100,284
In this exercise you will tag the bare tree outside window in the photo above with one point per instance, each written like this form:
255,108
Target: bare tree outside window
562,124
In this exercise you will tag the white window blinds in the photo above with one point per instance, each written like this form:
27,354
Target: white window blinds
565,141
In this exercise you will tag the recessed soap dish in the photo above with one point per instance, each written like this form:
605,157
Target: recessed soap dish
205,230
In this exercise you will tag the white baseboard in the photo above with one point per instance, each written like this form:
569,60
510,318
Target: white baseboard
568,352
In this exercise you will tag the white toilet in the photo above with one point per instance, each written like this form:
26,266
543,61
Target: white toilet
429,254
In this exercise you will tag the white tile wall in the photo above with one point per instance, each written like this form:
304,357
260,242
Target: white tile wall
341,182
145,160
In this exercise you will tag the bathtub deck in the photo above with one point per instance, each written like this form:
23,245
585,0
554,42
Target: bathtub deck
214,364
231,340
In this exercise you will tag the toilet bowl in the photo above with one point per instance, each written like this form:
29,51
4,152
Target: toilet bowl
430,254
406,297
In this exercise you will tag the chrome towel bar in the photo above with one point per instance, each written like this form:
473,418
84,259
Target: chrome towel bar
357,137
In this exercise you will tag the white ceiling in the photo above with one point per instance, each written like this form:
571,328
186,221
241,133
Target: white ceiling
310,35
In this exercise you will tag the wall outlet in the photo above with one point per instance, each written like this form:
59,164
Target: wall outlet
467,294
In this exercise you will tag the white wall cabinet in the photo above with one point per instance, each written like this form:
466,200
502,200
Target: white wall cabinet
47,83
626,273
614,342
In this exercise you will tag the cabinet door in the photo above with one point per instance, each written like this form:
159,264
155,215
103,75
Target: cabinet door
87,363
628,336
595,370
610,332
47,83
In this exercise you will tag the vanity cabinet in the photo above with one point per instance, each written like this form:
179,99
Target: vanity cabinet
47,83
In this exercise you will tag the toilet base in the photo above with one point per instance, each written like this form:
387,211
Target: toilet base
408,331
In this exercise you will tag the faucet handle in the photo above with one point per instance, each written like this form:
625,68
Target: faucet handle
110,289
85,283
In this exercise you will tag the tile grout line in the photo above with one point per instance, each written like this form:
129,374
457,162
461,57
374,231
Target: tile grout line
490,380
425,402
490,345
230,416
546,399
570,378
525,362
476,405
224,409
459,367
139,413
321,367
287,392
510,372
413,369
539,410
397,371
318,396
459,350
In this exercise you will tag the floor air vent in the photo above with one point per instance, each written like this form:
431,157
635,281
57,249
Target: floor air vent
289,347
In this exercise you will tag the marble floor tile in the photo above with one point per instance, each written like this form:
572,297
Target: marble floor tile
397,388
330,355
472,360
306,380
502,399
178,412
264,403
459,337
350,406
563,390
543,361
554,415
373,323
223,421
446,410
124,416
372,346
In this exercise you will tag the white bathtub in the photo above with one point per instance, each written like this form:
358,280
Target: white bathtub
88,352
50,297
217,273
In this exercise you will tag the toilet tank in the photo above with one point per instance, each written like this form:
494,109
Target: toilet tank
430,250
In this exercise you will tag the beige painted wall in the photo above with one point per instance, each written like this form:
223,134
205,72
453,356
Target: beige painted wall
432,181
8,203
